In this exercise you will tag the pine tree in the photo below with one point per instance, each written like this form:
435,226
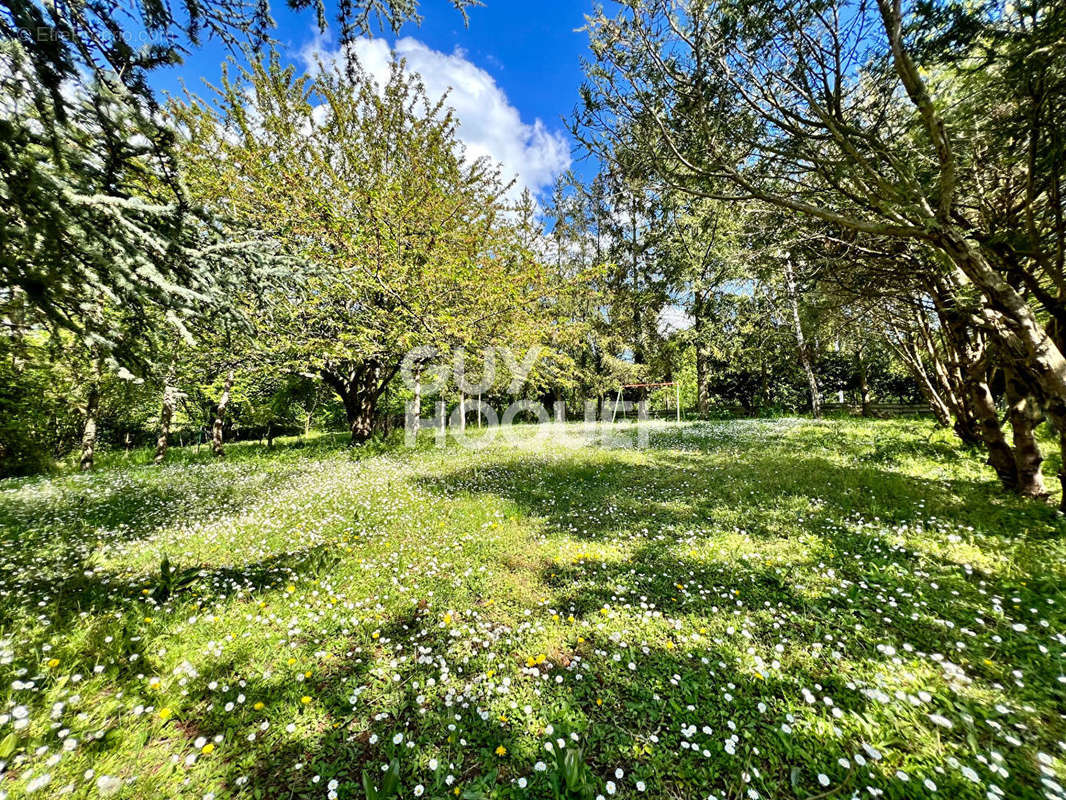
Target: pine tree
91,201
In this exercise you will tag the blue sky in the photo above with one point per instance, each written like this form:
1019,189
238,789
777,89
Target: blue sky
514,72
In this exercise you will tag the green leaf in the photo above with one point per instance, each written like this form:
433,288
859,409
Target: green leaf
368,787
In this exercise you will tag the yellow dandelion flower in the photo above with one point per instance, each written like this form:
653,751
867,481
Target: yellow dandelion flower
305,699
165,713
259,706
53,663
207,748
501,750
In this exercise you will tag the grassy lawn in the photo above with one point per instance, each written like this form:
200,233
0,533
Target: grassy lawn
753,609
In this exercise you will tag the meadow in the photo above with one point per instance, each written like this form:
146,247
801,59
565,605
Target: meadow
739,609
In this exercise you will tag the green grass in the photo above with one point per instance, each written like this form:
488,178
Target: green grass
741,609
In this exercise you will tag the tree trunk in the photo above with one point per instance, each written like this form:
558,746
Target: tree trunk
1024,416
359,410
962,345
951,388
92,410
220,416
638,331
703,398
932,392
1000,455
971,352
310,414
359,386
864,386
166,417
940,409
801,343
1042,361
416,404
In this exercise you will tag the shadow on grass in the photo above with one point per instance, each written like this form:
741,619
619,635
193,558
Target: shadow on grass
622,714
50,535
89,599
862,592
853,590
850,608
596,499
284,449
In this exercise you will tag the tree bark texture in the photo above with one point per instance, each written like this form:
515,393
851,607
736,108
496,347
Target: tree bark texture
220,416
88,435
801,342
166,417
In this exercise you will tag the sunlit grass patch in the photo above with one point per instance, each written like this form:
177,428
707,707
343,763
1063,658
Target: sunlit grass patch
774,607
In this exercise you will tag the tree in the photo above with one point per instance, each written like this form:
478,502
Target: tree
92,201
577,334
402,242
799,108
703,254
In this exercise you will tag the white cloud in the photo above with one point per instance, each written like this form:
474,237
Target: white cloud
489,125
673,319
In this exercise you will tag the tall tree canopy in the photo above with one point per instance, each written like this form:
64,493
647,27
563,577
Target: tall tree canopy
931,125
403,241
92,207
